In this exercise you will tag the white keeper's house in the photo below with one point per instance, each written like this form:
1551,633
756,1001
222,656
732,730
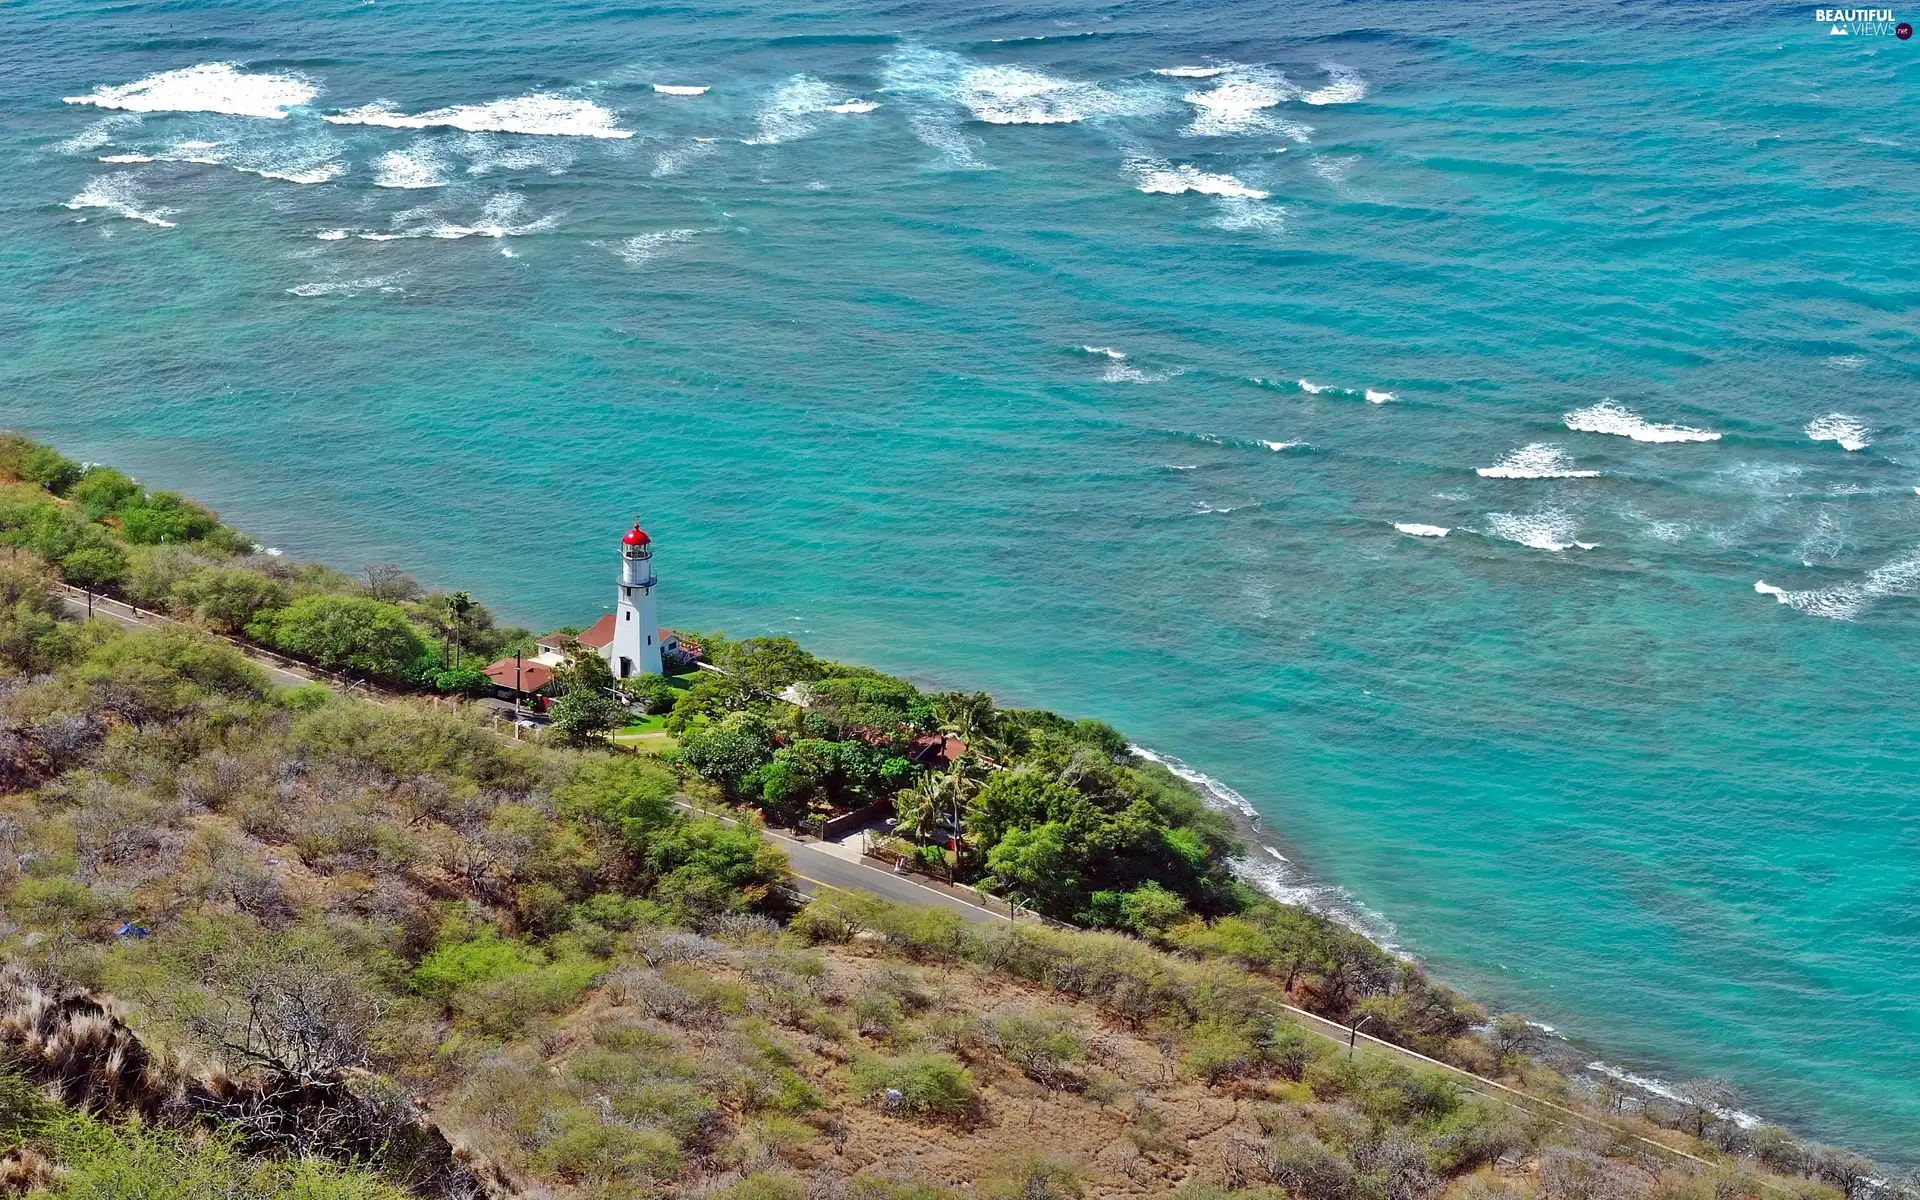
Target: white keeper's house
629,637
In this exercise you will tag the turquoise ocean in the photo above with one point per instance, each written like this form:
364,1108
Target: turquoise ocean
1126,360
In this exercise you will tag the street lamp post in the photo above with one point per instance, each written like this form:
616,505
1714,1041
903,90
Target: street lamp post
1353,1034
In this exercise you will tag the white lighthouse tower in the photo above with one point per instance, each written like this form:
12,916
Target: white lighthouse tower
635,648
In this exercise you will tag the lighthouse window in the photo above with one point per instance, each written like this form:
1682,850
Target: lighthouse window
629,614
649,639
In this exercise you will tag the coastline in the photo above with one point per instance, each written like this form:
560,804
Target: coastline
1289,884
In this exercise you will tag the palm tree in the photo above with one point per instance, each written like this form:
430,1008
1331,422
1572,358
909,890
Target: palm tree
918,808
459,606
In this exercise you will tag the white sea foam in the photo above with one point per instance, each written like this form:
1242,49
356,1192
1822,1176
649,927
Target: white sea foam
1847,362
1314,389
1157,176
1414,529
1276,874
644,248
1844,602
1008,95
1191,72
1377,397
1620,421
680,89
216,87
333,235
488,152
1237,214
98,134
674,159
1118,369
308,161
1537,460
795,110
347,287
1240,103
1841,428
501,216
418,167
1547,529
1658,1087
541,113
1279,446
1344,86
121,196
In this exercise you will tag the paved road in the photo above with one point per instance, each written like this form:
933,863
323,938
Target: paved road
113,610
812,866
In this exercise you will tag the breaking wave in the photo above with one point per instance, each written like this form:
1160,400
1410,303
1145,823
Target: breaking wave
1620,421
1539,460
1006,95
643,248
1841,428
1547,529
1344,86
215,87
98,134
797,107
500,217
306,162
1414,529
1846,601
1157,176
1240,104
420,167
120,195
680,89
348,287
540,114
1380,397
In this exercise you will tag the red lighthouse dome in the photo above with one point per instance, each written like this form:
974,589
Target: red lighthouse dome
636,537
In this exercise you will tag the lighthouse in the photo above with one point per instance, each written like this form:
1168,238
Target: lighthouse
635,648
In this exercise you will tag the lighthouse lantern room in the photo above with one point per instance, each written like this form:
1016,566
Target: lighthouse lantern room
635,648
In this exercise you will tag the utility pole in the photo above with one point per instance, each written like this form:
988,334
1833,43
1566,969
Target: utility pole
516,695
1353,1034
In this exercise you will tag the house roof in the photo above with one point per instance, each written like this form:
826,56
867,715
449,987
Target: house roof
598,635
594,637
532,676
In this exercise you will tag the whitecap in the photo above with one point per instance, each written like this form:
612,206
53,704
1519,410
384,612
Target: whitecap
1414,529
1118,369
540,113
1007,95
308,161
644,248
1314,389
121,196
1620,421
418,167
216,87
1547,529
1279,446
674,159
499,217
1844,602
1344,86
98,134
1841,428
1537,460
1238,104
332,235
680,89
487,153
1156,176
1374,397
346,287
1191,72
794,110
1237,214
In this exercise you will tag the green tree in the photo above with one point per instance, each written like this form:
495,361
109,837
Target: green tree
228,598
34,634
149,674
766,665
652,692
164,517
102,491
584,716
96,565
370,636
724,751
